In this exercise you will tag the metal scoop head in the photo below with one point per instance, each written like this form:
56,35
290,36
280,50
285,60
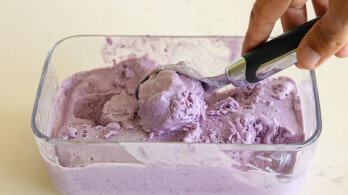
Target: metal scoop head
210,84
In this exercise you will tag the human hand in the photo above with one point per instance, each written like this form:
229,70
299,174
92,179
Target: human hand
329,36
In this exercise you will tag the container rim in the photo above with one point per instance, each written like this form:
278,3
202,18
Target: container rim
255,147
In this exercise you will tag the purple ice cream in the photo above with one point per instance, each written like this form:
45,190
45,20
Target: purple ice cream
100,105
267,112
170,102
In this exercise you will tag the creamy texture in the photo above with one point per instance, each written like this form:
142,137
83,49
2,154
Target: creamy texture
170,102
100,105
173,102
265,113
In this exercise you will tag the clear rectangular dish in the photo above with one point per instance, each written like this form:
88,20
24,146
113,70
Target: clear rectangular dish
167,168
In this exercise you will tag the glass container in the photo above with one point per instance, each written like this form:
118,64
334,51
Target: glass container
111,167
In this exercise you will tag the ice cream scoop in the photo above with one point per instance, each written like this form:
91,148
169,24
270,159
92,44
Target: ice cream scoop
253,66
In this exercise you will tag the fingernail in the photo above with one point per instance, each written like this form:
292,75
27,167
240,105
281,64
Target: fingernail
309,58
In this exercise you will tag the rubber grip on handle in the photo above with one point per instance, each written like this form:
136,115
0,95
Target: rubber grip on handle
274,48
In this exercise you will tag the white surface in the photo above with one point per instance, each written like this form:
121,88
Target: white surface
30,28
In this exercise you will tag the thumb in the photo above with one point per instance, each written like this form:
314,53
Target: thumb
323,40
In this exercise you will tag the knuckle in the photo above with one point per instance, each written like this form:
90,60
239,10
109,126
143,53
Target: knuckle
297,4
252,15
259,17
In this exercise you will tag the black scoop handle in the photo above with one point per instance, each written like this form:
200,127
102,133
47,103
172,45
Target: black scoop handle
274,48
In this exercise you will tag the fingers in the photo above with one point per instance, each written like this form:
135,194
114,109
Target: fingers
325,38
262,19
329,36
295,15
343,52
320,6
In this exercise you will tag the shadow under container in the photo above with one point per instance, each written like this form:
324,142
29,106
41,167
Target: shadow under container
110,167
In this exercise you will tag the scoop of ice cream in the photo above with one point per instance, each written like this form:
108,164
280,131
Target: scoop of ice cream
129,72
169,101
